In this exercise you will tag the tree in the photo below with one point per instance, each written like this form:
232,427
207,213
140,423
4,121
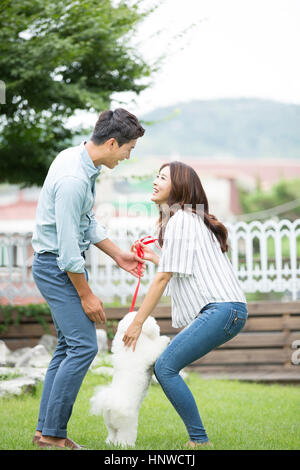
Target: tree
282,200
58,56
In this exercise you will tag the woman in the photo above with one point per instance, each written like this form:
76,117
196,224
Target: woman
206,296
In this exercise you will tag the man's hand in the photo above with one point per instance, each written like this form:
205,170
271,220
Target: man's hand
129,262
93,308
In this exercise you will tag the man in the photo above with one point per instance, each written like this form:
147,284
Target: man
65,228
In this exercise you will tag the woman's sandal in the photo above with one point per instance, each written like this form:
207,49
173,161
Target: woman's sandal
193,445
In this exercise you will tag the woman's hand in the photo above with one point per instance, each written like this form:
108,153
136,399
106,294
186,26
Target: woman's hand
149,254
132,334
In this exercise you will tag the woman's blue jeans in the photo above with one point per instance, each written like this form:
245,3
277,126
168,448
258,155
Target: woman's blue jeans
216,324
76,347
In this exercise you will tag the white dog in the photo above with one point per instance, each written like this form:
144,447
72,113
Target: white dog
119,403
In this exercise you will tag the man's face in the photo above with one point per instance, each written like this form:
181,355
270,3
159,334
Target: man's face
120,153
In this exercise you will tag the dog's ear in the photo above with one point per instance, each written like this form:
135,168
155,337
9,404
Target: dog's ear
151,328
126,321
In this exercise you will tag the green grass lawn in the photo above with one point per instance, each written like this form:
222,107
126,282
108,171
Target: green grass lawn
236,415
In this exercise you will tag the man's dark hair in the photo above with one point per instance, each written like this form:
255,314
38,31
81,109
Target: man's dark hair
119,124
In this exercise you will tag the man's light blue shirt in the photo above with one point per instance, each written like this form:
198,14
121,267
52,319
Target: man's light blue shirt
65,221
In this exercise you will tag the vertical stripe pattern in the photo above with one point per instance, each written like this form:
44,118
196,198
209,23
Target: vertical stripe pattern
201,272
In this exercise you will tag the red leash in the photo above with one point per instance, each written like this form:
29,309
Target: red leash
140,252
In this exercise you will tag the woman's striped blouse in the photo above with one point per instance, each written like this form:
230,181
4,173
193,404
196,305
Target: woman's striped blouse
201,272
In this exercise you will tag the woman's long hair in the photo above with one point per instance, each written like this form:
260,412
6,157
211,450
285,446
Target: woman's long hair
187,191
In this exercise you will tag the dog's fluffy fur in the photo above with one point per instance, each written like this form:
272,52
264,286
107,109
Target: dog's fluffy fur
119,403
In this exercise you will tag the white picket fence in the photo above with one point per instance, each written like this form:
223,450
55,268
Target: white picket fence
265,257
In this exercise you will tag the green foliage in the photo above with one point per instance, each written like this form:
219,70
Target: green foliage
284,191
13,315
8,376
58,57
112,326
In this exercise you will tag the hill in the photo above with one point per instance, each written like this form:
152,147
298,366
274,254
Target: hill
226,127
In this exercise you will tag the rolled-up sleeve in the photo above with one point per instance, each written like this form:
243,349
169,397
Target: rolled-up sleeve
69,197
96,232
179,244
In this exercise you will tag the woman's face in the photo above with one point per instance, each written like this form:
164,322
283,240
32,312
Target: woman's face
162,186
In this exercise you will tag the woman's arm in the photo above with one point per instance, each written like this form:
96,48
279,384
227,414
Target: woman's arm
152,298
156,259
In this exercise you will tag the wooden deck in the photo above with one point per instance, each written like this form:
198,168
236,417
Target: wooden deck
282,377
264,351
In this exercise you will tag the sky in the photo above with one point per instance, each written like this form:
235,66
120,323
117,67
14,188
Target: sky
230,49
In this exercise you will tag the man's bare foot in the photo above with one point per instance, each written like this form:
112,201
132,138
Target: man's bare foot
192,444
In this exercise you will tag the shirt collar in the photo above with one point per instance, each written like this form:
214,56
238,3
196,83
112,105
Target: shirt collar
88,165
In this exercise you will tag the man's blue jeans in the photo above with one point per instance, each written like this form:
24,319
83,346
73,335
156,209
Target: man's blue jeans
217,323
76,348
